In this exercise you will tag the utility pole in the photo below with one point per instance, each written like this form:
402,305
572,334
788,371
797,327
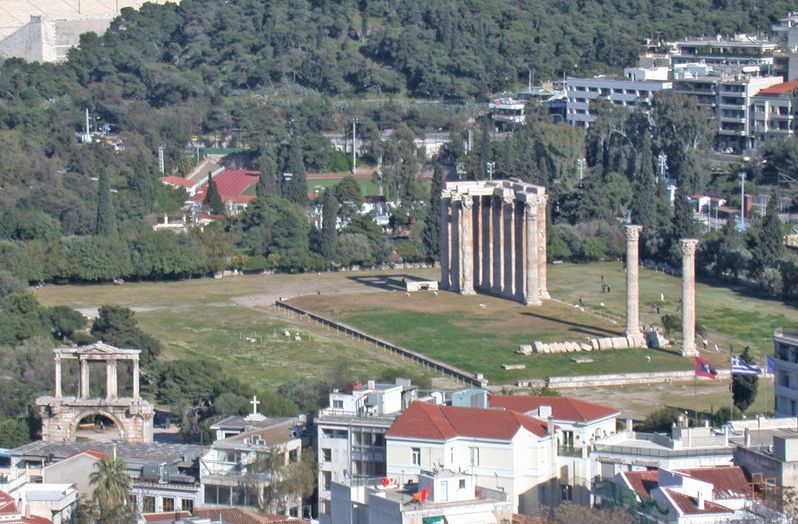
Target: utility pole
470,141
490,166
161,166
580,166
354,144
662,160
742,199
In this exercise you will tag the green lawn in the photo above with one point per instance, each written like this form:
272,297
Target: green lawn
367,186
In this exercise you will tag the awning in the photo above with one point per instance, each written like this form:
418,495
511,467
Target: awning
478,517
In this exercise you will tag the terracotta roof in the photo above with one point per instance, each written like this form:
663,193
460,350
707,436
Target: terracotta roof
780,89
642,482
242,516
727,481
8,506
231,184
36,520
562,408
96,454
688,504
166,516
433,422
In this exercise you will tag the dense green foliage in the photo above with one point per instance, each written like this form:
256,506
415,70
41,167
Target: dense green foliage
744,387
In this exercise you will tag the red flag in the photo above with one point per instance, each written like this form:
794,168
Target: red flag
703,369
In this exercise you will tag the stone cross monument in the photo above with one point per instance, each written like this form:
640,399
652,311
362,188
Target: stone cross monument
688,246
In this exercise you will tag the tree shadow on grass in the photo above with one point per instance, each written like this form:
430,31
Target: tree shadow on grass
385,282
581,328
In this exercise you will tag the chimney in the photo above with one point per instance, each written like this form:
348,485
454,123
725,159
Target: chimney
630,427
700,502
747,438
371,383
550,425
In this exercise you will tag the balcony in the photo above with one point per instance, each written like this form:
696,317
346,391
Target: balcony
569,451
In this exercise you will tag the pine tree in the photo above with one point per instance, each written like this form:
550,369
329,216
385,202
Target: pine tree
485,149
295,189
744,387
684,225
768,244
329,214
432,227
644,205
106,220
267,183
213,200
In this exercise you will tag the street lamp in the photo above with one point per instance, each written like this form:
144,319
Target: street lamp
490,166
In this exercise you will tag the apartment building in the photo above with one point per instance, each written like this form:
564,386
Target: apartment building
739,50
774,112
635,89
785,360
502,450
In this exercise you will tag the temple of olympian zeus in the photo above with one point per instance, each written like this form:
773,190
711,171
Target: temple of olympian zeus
493,240
132,416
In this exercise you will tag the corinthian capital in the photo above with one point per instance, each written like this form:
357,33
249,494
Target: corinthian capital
632,232
688,246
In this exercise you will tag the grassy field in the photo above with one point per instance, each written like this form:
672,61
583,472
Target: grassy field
367,186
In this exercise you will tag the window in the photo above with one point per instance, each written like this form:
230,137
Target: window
474,456
416,456
168,504
187,505
133,501
293,456
326,454
567,492
326,480
784,380
338,404
462,484
211,495
149,505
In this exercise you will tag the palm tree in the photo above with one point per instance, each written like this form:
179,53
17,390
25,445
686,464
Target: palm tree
110,483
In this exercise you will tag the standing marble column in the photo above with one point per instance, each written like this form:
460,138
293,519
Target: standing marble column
110,379
445,242
509,246
467,245
688,246
632,276
136,378
487,243
84,378
476,226
57,376
540,247
532,295
455,254
497,284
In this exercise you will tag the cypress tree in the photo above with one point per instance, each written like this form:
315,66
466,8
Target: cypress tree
432,227
644,205
744,387
267,183
768,245
213,200
106,220
329,214
296,189
684,225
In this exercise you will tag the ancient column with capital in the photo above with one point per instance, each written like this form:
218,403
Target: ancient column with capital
532,284
110,379
632,278
467,245
497,282
487,243
455,240
136,393
445,239
688,246
476,227
57,376
542,238
84,378
509,247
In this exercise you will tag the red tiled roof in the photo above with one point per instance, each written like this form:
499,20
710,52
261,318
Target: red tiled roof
8,506
727,481
642,482
689,505
165,516
779,89
433,422
177,181
562,408
231,184
90,452
242,516
36,520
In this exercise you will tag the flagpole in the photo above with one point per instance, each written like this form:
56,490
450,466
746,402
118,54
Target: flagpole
731,385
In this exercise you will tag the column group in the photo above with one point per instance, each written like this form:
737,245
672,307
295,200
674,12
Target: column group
494,243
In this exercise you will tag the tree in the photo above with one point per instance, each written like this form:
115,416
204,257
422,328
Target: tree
111,483
117,325
295,187
432,226
65,321
213,199
268,183
9,284
349,196
744,387
289,482
768,243
106,220
13,432
329,214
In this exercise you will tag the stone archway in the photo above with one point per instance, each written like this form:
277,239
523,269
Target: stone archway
118,424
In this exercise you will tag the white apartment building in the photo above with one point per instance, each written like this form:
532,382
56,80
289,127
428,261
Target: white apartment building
774,112
351,433
739,50
785,356
636,88
502,450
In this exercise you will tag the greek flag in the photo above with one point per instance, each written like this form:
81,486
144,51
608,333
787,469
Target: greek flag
741,367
